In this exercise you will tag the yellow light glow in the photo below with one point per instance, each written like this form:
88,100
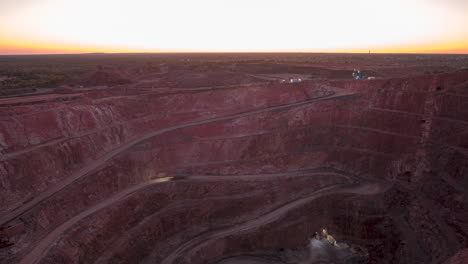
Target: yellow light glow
51,26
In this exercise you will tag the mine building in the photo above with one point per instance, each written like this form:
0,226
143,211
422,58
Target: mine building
295,80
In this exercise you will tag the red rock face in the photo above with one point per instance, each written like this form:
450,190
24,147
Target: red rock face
205,175
459,258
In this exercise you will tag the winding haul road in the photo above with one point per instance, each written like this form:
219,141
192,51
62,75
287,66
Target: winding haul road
198,242
108,156
41,249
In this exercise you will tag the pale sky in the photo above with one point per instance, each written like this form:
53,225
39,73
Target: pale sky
66,26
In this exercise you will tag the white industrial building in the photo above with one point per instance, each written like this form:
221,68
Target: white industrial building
293,80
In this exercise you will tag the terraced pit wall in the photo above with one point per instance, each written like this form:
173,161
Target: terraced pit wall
201,174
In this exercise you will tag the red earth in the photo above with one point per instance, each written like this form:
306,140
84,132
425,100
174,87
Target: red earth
198,164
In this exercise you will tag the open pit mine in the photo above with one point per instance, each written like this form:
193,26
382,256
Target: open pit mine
321,171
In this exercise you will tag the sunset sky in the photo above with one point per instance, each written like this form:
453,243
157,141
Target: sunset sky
71,26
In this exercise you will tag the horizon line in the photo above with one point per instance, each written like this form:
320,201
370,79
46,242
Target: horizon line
236,52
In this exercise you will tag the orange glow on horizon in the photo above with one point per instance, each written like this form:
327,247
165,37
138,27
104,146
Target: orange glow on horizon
11,47
335,26
32,48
